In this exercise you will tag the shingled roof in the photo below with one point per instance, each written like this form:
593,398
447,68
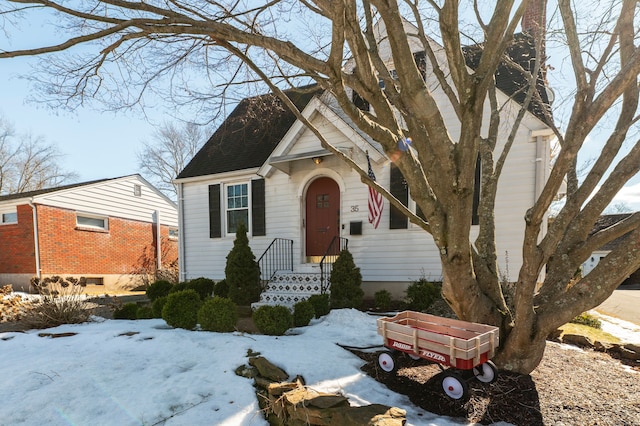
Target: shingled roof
255,127
49,190
606,221
511,80
249,134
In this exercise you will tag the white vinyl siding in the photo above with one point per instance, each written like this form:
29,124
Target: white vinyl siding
115,198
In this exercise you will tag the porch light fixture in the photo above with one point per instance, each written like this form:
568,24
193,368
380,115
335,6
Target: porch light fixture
317,160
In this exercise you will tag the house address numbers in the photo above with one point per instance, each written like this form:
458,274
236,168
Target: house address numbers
355,208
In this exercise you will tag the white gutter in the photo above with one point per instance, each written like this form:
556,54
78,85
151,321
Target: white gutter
35,237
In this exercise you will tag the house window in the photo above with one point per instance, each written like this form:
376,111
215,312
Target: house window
237,206
137,190
92,221
230,204
8,218
173,232
95,281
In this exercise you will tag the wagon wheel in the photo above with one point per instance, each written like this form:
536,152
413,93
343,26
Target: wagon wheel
388,362
454,386
486,373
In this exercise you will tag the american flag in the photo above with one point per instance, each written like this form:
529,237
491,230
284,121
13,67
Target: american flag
375,200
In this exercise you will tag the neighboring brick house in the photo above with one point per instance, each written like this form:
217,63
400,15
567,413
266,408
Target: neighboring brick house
105,230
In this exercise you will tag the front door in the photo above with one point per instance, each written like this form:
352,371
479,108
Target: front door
322,214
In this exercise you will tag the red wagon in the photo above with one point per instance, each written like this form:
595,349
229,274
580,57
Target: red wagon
463,346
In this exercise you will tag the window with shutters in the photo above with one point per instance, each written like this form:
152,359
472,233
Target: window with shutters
237,202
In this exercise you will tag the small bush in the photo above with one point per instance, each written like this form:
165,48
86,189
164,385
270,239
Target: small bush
588,320
218,314
158,289
320,303
127,311
61,302
345,282
421,294
179,287
382,300
144,312
181,309
221,289
202,286
157,306
272,320
303,313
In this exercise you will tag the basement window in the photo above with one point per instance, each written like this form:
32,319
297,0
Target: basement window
95,281
173,232
8,218
87,221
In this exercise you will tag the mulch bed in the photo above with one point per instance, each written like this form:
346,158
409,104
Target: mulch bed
569,387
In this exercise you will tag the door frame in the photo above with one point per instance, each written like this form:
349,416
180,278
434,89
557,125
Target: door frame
302,198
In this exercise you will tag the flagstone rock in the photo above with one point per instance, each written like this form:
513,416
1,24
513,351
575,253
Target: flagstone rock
268,370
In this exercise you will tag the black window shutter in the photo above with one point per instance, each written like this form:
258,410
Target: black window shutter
398,189
259,225
360,102
475,218
215,222
421,62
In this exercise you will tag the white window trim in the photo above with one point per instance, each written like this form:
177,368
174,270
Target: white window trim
10,211
105,219
225,202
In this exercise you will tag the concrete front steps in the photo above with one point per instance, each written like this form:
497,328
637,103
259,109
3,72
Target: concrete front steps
289,288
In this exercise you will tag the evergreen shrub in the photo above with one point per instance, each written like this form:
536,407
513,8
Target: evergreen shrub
181,286
158,289
421,294
127,311
382,300
272,320
181,309
202,286
157,306
221,289
345,282
303,313
320,303
242,272
144,312
218,314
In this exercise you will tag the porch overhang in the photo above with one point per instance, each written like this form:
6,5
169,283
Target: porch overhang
283,162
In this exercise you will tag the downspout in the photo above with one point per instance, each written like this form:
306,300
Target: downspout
158,241
36,241
181,238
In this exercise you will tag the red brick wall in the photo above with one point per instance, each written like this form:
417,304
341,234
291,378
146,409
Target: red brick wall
17,253
66,249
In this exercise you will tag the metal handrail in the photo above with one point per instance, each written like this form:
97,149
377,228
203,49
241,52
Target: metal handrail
277,257
336,246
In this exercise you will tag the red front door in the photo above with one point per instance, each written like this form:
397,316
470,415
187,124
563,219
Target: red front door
323,215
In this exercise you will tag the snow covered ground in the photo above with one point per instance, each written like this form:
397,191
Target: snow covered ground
145,373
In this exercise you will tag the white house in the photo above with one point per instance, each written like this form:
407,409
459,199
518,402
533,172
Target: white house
266,168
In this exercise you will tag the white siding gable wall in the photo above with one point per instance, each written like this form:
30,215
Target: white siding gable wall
115,198
383,254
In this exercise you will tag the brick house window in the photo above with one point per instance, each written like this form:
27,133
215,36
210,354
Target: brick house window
173,232
95,281
8,218
92,221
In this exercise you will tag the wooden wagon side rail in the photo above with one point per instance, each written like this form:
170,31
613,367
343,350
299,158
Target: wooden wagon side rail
444,340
